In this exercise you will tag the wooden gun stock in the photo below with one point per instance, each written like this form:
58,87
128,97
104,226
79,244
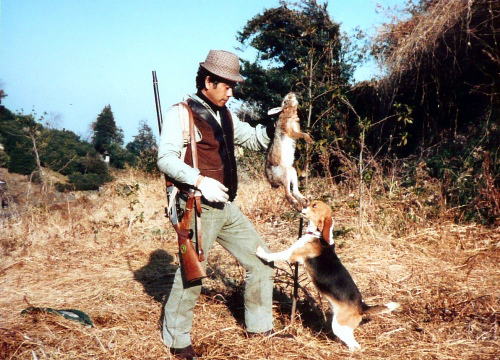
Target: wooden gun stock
188,256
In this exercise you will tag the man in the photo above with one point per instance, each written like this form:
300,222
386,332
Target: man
217,131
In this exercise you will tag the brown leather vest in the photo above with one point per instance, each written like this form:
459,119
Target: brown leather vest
216,147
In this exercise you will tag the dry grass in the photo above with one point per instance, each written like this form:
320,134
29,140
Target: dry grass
422,32
445,37
111,254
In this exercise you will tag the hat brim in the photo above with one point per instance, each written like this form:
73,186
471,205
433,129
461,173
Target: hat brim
216,70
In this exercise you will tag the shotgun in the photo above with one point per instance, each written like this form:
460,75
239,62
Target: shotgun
190,260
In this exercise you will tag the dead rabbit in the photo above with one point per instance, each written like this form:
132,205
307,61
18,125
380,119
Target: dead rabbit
281,155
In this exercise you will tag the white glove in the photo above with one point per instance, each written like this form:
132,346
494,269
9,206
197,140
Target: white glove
212,190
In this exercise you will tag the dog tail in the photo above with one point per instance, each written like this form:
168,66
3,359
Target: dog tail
379,309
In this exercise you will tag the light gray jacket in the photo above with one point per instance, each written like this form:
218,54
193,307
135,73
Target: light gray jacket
174,138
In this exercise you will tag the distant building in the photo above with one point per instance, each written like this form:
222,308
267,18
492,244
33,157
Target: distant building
106,157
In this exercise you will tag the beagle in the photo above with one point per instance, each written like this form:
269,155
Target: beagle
316,250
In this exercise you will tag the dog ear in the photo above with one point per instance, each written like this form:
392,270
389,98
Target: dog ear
327,231
320,224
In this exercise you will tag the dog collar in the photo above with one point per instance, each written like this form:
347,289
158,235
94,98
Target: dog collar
318,235
314,233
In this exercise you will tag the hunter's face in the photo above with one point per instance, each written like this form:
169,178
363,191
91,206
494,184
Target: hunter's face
219,93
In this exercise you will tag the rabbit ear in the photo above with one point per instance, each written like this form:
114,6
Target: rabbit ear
327,231
275,110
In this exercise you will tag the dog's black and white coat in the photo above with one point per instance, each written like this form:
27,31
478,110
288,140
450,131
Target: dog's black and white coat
316,250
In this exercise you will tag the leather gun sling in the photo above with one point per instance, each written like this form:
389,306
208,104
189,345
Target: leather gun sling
196,194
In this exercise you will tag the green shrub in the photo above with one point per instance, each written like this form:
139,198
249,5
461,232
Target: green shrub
468,176
63,187
89,181
146,161
21,159
119,156
93,165
63,151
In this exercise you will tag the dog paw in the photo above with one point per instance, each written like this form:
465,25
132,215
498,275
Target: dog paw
260,252
354,346
298,206
391,306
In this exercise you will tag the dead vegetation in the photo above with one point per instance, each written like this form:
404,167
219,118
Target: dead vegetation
112,255
444,59
437,105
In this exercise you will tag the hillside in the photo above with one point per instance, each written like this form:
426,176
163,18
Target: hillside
112,255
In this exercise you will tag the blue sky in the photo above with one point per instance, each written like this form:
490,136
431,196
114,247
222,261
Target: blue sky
70,58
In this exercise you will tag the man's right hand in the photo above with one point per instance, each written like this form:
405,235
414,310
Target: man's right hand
212,190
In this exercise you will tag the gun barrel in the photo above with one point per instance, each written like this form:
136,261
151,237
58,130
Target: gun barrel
159,114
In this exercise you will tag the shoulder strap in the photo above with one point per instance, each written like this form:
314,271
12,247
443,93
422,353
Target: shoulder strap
188,137
196,194
192,139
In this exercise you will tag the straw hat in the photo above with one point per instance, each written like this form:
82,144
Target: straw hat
224,64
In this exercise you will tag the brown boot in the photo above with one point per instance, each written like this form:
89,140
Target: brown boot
185,353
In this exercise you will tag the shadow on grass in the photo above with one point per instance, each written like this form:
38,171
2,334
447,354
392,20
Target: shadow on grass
157,276
308,311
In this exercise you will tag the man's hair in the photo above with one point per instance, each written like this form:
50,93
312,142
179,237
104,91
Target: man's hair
202,75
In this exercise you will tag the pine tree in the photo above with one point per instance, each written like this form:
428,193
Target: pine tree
106,132
144,140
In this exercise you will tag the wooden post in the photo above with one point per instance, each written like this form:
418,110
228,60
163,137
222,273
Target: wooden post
296,279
